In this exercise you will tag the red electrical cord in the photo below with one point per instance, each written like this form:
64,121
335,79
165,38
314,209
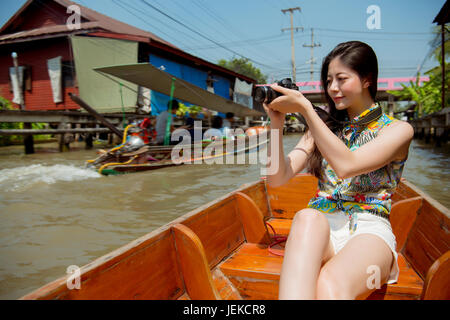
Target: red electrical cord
276,240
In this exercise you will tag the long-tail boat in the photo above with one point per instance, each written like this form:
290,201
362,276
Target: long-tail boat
145,157
222,250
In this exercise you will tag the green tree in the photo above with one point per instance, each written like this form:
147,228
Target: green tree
7,140
428,96
245,67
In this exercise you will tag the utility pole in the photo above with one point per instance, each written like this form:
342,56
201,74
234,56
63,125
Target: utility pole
312,45
291,10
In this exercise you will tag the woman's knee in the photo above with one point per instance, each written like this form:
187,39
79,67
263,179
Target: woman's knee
307,218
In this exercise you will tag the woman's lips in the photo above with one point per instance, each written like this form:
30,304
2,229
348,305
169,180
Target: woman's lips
338,99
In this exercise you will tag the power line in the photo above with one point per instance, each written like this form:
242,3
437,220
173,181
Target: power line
252,41
201,35
376,32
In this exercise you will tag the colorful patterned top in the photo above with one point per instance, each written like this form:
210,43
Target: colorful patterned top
370,192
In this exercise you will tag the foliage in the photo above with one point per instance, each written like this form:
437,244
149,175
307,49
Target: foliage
436,44
245,67
6,105
427,97
192,110
7,140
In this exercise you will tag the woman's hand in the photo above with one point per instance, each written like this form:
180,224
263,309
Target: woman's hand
292,101
276,118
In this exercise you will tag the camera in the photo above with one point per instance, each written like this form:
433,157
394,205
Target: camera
267,94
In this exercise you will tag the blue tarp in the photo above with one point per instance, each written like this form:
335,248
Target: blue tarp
195,76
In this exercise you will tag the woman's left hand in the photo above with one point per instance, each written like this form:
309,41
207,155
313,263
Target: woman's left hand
292,101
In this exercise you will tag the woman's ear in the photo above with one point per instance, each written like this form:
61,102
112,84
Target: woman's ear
366,83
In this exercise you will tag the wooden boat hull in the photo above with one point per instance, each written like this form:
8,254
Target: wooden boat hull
220,250
127,164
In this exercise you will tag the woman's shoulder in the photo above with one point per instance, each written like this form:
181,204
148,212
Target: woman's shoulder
399,125
400,131
389,123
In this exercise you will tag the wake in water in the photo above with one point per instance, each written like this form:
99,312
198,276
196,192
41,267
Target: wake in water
24,177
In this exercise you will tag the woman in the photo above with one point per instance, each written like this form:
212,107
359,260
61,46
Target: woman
343,240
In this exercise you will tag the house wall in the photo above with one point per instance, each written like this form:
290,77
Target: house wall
35,54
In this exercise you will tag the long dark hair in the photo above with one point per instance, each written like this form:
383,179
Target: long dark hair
359,57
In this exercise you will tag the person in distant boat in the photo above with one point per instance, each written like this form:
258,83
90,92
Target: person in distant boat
342,245
161,122
229,120
228,123
215,132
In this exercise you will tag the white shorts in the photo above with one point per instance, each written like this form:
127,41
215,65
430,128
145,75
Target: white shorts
366,223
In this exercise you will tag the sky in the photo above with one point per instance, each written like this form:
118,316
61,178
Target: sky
215,29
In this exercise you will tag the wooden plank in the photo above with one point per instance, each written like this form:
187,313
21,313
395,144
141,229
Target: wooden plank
13,116
21,132
258,265
144,269
224,286
219,229
429,238
256,289
192,260
281,226
285,201
252,220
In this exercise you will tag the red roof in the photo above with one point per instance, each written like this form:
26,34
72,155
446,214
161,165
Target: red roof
96,20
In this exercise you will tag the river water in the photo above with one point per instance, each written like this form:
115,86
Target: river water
56,213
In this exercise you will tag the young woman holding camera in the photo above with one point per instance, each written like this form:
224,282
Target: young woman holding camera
343,237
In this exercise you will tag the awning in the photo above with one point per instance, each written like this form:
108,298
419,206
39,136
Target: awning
148,76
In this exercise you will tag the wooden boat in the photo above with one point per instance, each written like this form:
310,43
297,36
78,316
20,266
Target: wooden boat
221,250
115,161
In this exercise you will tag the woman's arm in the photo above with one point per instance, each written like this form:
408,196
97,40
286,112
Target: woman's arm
391,143
296,160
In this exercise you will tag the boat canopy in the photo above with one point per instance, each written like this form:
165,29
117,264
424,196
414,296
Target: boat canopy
148,76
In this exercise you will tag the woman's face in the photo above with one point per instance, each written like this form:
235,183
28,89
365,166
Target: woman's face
344,85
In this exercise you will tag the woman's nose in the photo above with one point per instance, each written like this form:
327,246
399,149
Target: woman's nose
333,85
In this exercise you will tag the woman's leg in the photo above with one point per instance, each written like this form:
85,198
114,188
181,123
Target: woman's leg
364,261
307,246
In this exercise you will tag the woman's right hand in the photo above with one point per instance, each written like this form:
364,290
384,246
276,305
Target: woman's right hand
276,118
